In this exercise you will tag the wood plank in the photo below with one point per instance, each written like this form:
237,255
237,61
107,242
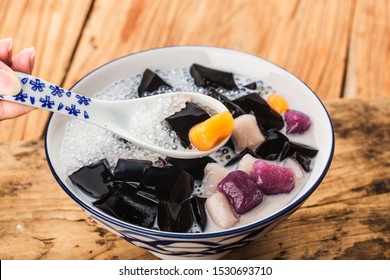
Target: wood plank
347,217
307,37
312,44
52,27
368,72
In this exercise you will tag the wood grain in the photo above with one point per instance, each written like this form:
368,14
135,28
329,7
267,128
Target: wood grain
53,28
347,217
339,48
307,38
368,72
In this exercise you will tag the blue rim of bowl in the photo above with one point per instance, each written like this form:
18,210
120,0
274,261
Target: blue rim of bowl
275,216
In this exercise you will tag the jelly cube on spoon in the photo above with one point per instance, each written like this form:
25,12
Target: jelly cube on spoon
182,121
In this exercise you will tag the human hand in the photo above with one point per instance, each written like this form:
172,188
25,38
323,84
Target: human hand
9,83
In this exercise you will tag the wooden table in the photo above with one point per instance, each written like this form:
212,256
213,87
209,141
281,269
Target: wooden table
341,49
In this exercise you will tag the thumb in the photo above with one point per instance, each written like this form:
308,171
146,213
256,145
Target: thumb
9,83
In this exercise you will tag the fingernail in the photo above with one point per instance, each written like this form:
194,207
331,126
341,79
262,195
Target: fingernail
6,43
30,53
9,83
6,46
26,57
11,44
32,56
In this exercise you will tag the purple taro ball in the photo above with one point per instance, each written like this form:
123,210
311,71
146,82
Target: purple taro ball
296,122
241,191
272,179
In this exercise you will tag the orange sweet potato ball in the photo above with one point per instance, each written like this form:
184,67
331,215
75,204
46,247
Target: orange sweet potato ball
206,135
278,103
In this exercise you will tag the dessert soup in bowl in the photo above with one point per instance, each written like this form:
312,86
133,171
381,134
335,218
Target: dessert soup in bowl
72,146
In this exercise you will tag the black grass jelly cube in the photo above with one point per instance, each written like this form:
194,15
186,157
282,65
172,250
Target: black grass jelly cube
266,117
167,184
207,77
174,217
94,179
125,204
182,121
150,83
131,169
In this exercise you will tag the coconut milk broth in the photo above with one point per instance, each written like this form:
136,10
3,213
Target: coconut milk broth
85,143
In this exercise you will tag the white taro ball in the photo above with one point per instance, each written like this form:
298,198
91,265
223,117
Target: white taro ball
220,211
246,163
246,133
213,174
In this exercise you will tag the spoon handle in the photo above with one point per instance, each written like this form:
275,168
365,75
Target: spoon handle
38,93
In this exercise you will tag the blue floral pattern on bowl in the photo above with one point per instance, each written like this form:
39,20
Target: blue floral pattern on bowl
180,246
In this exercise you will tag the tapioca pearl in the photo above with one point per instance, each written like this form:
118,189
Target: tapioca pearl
261,88
158,163
150,136
223,155
172,134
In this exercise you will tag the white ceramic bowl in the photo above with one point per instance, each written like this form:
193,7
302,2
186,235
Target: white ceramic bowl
199,245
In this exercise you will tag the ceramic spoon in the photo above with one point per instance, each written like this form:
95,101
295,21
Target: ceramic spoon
111,115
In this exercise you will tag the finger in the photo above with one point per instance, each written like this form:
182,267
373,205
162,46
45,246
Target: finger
9,83
24,61
6,47
9,110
